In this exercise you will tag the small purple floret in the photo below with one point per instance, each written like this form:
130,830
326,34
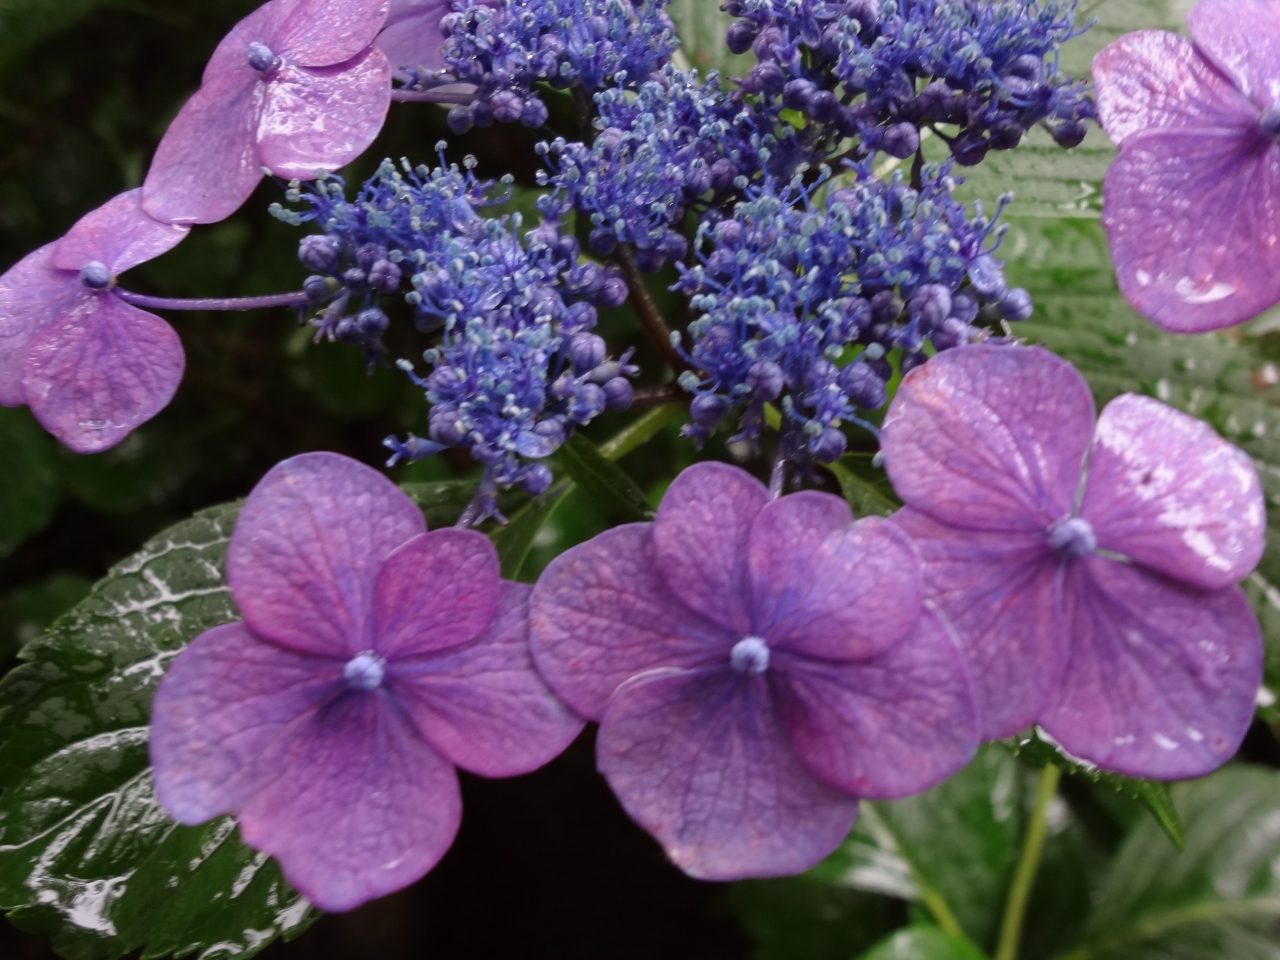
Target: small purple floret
756,666
374,658
1088,565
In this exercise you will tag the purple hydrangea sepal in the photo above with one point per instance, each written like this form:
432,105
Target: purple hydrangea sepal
1089,569
756,667
91,366
296,87
375,657
1192,202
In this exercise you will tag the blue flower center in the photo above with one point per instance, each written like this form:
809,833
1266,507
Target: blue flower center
1271,122
750,655
365,671
95,275
260,57
1073,538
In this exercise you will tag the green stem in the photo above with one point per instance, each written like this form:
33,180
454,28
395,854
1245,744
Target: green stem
1015,911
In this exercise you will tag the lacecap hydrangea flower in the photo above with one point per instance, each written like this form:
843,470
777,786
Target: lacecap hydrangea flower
1192,203
756,666
297,86
91,366
1089,568
374,657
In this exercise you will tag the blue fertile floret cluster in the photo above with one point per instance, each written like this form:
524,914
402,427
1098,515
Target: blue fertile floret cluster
518,367
802,299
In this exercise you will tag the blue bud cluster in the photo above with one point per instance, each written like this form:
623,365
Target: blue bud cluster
658,151
882,70
801,300
507,50
517,367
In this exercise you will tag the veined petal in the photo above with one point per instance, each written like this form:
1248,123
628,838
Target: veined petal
702,761
990,437
886,727
701,539
411,38
207,164
99,370
1160,679
1152,79
1001,593
1242,37
119,234
1165,490
437,591
1193,220
307,550
602,613
827,586
32,295
482,704
322,118
319,33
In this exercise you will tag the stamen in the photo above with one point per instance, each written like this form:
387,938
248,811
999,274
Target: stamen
365,671
750,655
1073,538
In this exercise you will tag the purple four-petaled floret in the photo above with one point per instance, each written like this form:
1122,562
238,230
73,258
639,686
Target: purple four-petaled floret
1192,203
373,658
296,87
91,366
1090,570
756,667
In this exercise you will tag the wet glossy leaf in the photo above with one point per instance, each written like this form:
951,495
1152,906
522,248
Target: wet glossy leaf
1219,899
87,856
30,485
923,943
1150,793
28,611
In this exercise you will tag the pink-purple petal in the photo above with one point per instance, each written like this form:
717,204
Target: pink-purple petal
827,586
32,295
886,727
222,714
1161,678
1242,37
1001,593
602,613
101,369
319,33
1153,79
437,591
483,705
990,437
702,761
207,164
322,118
701,539
306,552
1193,221
1165,490
411,38
119,234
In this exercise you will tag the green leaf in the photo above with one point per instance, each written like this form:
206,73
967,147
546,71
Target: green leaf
30,486
924,943
701,25
87,856
1152,794
1219,899
604,480
28,611
866,487
441,502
